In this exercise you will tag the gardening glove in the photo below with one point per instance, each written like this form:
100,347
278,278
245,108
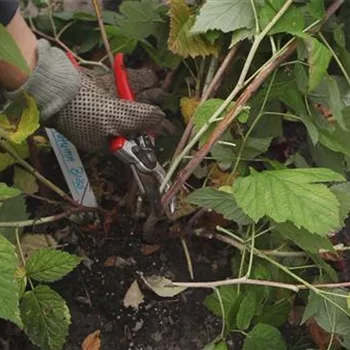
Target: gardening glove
79,106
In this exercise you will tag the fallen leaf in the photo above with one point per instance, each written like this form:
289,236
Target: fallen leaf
133,297
161,286
92,341
148,249
31,242
119,262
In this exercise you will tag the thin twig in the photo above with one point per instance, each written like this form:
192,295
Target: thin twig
188,257
40,177
45,220
103,31
241,102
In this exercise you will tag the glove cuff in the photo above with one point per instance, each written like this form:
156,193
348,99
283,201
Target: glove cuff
54,82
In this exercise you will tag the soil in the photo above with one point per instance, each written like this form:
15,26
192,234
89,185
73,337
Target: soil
95,293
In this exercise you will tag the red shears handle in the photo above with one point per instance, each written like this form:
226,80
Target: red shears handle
123,88
124,91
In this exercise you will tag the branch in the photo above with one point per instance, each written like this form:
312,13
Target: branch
40,177
235,281
241,102
212,88
47,219
103,31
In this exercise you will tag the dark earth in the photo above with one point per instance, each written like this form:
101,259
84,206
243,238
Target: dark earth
95,292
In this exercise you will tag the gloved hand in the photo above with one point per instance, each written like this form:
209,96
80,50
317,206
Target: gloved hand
84,107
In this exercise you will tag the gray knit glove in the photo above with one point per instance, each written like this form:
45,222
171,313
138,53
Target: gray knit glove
80,106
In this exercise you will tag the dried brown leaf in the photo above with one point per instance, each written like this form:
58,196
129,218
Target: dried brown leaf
92,341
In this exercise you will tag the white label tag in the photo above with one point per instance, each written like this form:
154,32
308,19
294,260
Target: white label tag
72,169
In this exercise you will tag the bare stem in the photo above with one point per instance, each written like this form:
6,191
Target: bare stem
40,177
103,31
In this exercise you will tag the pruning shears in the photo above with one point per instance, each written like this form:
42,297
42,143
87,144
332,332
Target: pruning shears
138,152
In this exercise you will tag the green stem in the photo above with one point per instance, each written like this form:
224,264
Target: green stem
40,177
258,39
257,119
336,58
223,318
251,258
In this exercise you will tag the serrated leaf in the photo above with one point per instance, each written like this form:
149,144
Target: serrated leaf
205,111
46,317
181,41
9,51
48,265
319,59
224,15
264,336
291,21
342,192
25,181
241,34
14,209
291,195
7,192
119,41
139,19
222,202
9,291
326,314
254,146
6,160
246,310
303,238
28,124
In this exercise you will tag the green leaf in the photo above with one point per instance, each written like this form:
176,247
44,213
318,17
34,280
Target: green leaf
316,8
291,195
27,125
222,202
246,310
335,101
9,296
24,180
303,238
241,34
139,19
342,192
48,265
333,142
276,314
14,209
7,192
181,41
9,51
319,59
46,318
291,21
204,112
224,15
231,301
119,41
6,160
264,336
326,314
254,146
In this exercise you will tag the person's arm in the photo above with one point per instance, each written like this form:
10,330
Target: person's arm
11,77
